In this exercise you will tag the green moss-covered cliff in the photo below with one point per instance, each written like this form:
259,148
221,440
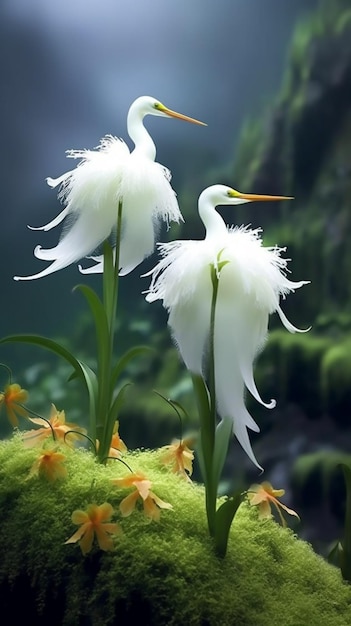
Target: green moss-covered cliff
159,573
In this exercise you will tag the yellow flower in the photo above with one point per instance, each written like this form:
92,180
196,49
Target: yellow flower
10,398
117,445
179,455
94,521
152,503
56,424
49,464
264,496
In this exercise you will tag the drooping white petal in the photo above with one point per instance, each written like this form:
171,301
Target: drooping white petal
92,193
251,282
288,325
85,235
57,220
98,268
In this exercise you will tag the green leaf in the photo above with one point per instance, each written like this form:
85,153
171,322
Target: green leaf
223,435
110,422
125,359
117,403
93,390
49,344
223,521
100,319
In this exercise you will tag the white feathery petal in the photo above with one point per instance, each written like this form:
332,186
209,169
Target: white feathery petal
91,194
85,235
98,268
54,182
57,220
251,282
288,325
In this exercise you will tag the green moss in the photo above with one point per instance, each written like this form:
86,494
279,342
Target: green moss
164,571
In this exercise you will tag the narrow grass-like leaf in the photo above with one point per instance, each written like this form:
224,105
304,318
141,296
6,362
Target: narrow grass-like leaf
109,423
49,344
100,320
92,389
125,359
223,521
223,434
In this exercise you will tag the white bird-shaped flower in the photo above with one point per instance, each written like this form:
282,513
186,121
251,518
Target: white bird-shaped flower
251,281
106,176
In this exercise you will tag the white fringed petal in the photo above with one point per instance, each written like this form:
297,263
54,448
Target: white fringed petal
55,222
91,194
250,286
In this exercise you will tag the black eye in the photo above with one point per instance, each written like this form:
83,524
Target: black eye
156,105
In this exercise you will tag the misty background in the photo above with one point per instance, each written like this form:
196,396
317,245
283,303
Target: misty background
70,71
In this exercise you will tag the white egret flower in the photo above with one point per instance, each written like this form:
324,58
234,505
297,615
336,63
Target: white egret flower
252,279
104,177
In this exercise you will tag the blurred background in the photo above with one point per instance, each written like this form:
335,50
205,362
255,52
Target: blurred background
273,82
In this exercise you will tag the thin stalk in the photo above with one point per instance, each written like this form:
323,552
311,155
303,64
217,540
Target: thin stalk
110,300
206,399
209,433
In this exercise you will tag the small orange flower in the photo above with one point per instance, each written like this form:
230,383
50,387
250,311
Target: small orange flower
50,465
179,455
58,425
264,496
12,398
94,521
152,503
117,445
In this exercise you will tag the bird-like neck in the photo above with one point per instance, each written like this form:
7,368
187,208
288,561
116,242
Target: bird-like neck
138,133
212,220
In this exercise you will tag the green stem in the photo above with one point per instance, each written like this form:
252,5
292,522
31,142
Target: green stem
104,428
206,399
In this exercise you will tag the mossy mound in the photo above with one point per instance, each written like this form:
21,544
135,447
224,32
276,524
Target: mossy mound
160,572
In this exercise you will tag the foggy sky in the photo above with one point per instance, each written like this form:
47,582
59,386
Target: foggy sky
70,70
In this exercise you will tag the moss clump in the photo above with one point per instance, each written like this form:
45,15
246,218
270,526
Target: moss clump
165,572
336,377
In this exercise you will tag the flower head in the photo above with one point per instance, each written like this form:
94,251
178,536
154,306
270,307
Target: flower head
56,426
11,398
179,456
151,503
251,279
264,496
49,464
92,192
117,445
94,521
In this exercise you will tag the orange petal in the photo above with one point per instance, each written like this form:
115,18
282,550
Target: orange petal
143,486
78,534
127,505
80,517
87,540
151,510
159,502
105,511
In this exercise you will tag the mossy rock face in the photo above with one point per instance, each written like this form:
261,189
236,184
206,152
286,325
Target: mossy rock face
159,572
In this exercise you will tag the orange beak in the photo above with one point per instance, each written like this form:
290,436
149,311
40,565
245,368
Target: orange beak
180,116
252,197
